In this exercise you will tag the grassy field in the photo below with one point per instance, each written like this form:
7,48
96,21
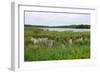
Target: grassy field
66,45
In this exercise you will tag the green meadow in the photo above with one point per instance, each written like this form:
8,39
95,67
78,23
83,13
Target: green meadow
42,45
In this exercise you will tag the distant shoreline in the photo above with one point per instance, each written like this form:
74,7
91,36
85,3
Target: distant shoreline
80,26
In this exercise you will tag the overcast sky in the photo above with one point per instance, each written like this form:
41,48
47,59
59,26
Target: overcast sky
55,19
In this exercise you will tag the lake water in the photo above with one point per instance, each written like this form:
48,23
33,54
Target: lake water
67,29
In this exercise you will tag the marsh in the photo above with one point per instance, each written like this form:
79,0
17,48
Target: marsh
41,45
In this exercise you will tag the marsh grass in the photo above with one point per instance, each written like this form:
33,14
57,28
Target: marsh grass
40,52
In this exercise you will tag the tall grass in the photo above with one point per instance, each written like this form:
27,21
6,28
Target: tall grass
77,50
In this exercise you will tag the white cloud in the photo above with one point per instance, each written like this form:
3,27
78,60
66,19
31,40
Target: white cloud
43,18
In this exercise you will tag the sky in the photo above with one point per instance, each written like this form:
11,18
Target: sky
55,19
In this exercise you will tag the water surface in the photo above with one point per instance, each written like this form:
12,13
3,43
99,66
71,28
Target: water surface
66,29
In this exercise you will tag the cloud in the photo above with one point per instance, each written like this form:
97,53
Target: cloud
43,18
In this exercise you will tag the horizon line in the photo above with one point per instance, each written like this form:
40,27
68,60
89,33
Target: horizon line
56,25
